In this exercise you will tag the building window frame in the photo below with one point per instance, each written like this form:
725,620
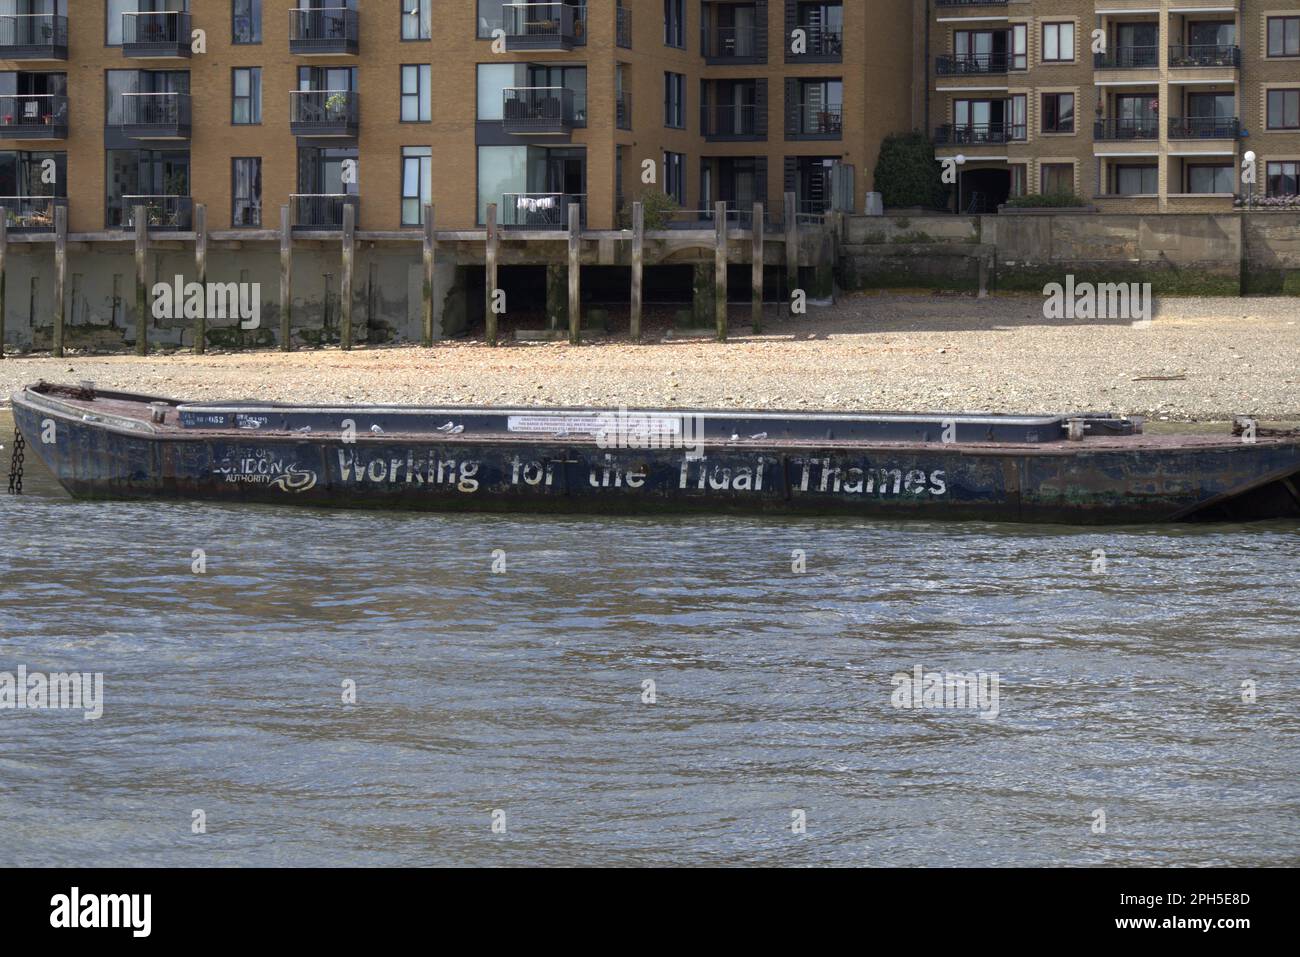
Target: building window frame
1289,37
421,98
416,26
674,100
252,99
1050,120
1289,118
1044,169
1222,168
1282,170
675,24
251,12
422,158
253,204
675,176
1062,34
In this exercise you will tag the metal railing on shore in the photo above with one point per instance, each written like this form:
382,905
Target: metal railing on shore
321,210
541,210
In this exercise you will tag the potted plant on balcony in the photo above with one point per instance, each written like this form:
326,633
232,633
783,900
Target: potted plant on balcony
336,104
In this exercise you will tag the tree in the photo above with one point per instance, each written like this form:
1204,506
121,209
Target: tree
907,173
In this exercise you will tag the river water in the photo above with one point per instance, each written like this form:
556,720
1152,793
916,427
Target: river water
518,698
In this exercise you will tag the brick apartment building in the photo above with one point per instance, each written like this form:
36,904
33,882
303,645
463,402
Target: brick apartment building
389,104
1157,118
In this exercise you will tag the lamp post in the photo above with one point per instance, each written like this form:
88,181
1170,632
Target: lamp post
960,160
1248,176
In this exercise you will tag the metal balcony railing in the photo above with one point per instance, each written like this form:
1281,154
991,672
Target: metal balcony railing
161,212
31,213
541,210
533,110
1203,128
971,64
818,121
977,134
156,34
728,43
31,36
970,3
322,210
324,112
729,121
156,115
623,109
34,117
1127,58
823,43
1203,55
544,26
324,31
1126,128
624,28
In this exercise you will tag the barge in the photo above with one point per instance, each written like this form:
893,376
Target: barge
1082,468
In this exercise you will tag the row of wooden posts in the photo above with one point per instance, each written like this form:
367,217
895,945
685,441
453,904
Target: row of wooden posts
430,247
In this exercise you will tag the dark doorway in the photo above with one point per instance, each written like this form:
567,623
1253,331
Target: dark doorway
984,190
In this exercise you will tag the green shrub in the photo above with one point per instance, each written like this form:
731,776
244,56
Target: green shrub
659,209
1045,201
907,173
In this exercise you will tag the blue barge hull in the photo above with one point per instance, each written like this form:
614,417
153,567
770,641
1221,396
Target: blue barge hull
109,445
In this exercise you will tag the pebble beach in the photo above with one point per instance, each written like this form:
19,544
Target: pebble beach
1199,360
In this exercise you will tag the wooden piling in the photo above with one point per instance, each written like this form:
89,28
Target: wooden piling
349,264
60,274
201,268
984,277
720,269
286,280
638,266
4,252
791,243
490,257
426,288
756,275
141,281
575,284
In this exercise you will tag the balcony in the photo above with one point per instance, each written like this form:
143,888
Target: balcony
1204,55
33,36
1116,129
34,117
544,26
731,122
723,45
156,116
324,113
541,210
1127,58
315,211
816,123
823,45
31,214
172,213
164,35
1203,128
971,64
539,110
977,134
324,31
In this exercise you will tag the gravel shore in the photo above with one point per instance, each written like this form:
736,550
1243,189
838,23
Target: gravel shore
1200,360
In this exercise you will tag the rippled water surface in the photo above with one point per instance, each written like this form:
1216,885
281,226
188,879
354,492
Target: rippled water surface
522,692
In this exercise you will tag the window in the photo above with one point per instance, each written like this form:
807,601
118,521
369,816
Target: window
675,177
1211,179
246,205
1056,178
1058,112
246,21
417,19
1019,46
1137,180
1058,42
675,100
417,106
491,16
1284,36
247,99
1284,109
417,183
113,11
1019,177
1283,178
675,23
1019,117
